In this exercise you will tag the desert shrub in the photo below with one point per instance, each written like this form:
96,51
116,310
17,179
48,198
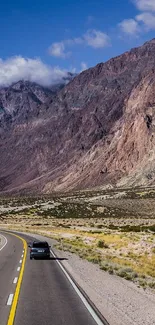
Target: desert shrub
143,276
151,285
101,244
122,273
95,258
96,231
104,266
142,283
111,271
128,269
92,225
127,273
99,226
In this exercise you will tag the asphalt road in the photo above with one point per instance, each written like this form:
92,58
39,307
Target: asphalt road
46,295
10,256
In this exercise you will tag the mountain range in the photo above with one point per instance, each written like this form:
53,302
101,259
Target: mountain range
94,130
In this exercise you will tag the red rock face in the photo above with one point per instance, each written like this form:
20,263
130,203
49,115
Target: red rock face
97,130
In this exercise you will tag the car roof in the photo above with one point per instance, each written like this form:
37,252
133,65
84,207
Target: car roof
39,241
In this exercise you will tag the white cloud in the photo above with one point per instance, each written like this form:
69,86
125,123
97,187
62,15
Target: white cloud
148,19
58,50
145,5
96,39
143,22
17,68
130,27
93,38
77,40
83,66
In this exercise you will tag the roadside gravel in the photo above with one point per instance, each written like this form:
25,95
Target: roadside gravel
121,302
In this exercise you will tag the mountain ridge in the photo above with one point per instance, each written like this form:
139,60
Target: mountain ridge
98,130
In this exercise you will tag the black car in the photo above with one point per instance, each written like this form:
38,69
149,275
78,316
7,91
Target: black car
39,249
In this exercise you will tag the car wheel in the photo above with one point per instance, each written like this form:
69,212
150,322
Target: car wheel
30,257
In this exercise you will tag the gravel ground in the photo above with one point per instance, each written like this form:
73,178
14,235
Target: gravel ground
121,302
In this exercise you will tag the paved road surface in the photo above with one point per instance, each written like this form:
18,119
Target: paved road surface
10,256
46,296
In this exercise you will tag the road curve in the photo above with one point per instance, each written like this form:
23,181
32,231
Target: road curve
10,253
3,242
46,296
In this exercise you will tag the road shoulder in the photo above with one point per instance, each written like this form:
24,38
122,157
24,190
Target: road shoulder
120,301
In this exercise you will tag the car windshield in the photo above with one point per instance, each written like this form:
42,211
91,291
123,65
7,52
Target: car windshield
40,245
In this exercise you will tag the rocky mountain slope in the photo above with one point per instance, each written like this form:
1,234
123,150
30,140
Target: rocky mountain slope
22,100
98,130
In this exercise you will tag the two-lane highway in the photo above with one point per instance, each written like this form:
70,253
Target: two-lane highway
46,294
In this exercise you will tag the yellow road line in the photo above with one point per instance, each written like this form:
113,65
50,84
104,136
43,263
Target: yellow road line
17,292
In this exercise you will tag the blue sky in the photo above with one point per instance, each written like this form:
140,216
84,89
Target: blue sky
47,38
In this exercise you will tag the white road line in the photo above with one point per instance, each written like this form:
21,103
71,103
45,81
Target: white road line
18,268
22,256
23,250
15,280
9,302
20,261
4,243
85,302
